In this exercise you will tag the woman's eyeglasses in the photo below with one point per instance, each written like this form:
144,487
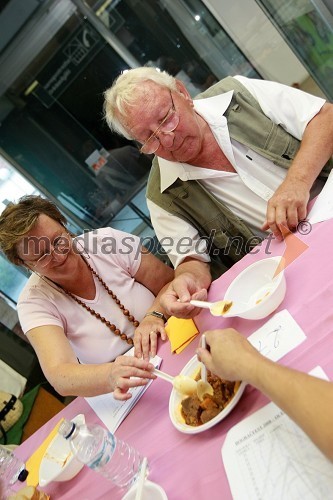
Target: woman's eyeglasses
61,245
167,125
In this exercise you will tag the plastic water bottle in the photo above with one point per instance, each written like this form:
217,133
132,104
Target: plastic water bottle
12,469
100,450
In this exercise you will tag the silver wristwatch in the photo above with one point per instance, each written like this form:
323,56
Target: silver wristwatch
157,314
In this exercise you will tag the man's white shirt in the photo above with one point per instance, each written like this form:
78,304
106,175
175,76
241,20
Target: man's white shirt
247,191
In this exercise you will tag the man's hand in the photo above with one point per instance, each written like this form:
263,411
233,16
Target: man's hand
191,282
231,356
181,290
287,207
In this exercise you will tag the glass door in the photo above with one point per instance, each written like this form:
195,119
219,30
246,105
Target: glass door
54,127
179,36
307,26
54,72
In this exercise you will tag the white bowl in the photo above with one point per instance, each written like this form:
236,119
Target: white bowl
151,491
256,292
58,462
175,400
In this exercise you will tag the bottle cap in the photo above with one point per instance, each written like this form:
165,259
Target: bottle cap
23,475
66,428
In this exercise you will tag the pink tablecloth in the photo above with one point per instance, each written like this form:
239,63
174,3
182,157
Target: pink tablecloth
191,466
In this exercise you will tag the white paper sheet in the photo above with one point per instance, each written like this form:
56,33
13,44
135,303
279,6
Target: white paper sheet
323,206
268,457
111,411
11,381
280,335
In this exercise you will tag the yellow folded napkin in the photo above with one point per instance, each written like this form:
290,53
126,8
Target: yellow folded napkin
180,332
33,463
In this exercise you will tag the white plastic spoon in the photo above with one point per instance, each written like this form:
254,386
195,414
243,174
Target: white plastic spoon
204,387
141,480
182,383
218,308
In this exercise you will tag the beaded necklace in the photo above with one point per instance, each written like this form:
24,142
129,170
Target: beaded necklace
101,318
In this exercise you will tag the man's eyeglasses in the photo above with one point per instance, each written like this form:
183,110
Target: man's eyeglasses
61,245
167,125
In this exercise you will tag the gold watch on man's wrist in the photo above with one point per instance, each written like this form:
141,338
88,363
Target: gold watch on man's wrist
157,314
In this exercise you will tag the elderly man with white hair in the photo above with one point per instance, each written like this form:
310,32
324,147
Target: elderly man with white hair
242,158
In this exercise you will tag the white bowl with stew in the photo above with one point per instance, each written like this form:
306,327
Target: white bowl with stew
191,369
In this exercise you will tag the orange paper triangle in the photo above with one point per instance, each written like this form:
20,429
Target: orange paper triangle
294,248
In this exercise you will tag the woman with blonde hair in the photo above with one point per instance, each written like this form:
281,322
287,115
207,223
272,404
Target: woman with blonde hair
89,299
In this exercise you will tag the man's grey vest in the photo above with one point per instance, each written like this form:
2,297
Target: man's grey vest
229,239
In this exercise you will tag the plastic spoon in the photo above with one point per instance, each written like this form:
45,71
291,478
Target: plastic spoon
141,480
204,387
218,308
182,383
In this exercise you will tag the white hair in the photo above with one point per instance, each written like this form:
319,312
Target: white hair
123,93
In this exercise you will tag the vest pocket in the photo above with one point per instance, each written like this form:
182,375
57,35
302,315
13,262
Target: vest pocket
277,141
291,148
